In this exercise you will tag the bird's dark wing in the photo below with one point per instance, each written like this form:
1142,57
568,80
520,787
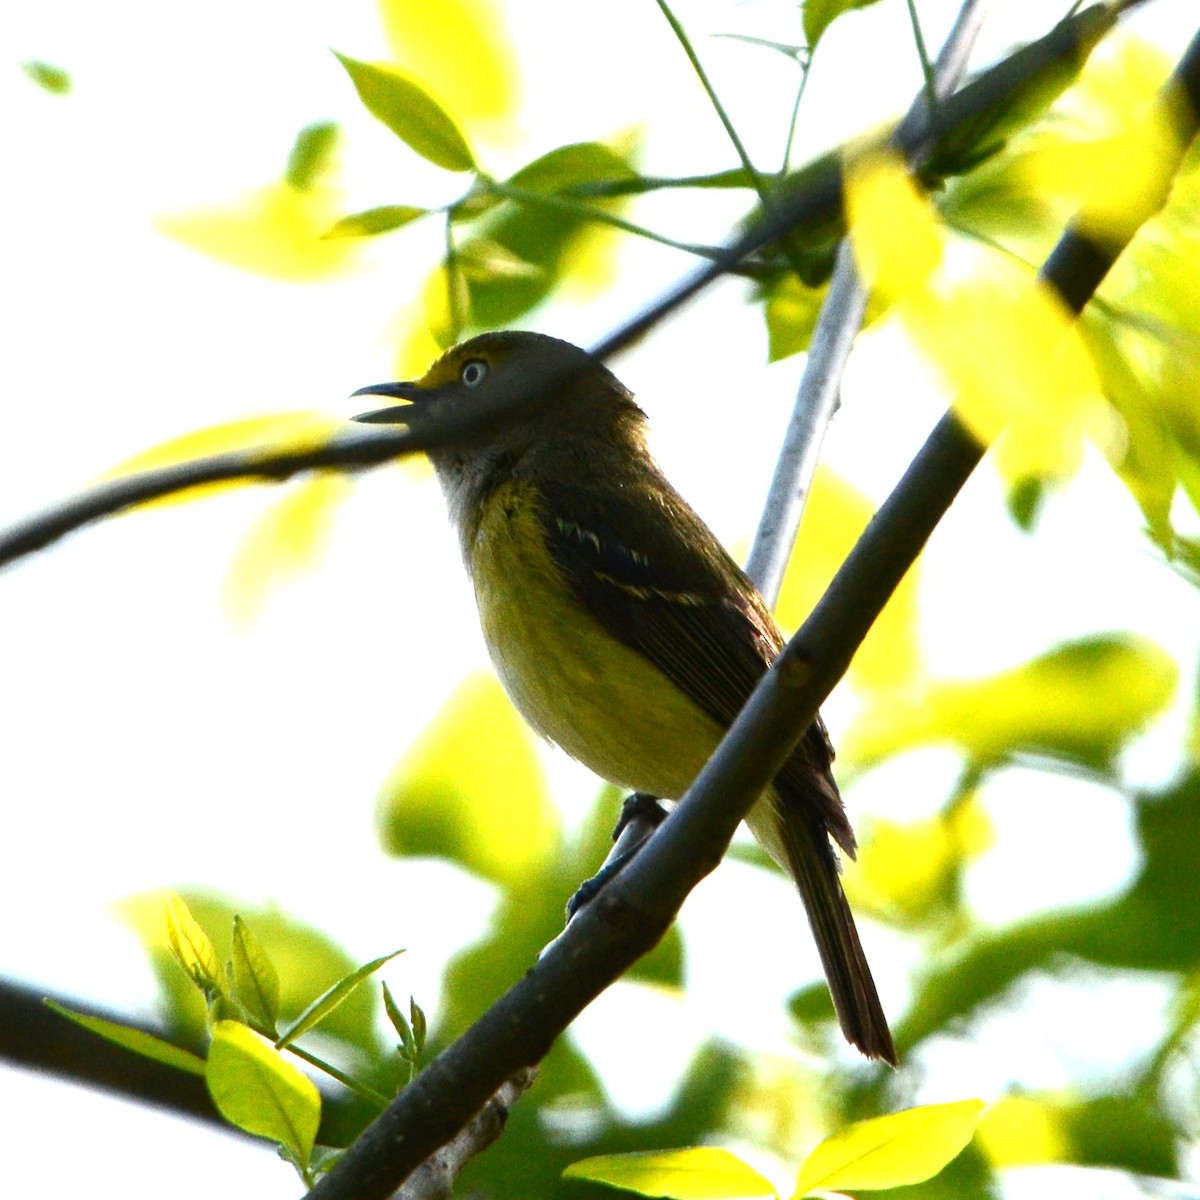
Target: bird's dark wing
652,572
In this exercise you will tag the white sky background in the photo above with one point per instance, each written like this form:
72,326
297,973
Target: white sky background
150,744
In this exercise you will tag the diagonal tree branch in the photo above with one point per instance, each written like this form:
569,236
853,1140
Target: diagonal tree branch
631,913
816,201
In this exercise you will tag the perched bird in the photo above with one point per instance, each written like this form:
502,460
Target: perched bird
619,626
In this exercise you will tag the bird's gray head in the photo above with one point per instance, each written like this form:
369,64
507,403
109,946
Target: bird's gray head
538,396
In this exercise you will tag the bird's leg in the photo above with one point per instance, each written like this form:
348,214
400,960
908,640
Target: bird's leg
641,815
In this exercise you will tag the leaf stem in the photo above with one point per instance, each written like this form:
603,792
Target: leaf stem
760,184
589,212
927,68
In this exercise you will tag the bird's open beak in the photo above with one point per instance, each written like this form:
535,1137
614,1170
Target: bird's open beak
394,413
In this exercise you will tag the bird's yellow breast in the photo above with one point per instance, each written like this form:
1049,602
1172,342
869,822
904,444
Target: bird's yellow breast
604,703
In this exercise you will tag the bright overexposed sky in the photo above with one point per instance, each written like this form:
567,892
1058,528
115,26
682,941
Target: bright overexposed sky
151,743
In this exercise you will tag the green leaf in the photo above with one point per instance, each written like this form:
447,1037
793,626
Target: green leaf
49,78
791,313
255,981
1081,702
893,1151
374,221
400,1023
312,154
413,115
191,947
255,1088
440,799
1024,500
329,1000
420,1026
696,1173
569,166
145,1044
820,14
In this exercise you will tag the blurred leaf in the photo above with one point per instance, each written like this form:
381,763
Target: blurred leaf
255,1088
49,78
277,231
290,538
330,1000
893,1151
1123,1131
255,980
461,49
1006,345
1019,1131
791,311
1081,702
1149,467
472,790
1024,500
312,155
820,14
190,945
697,1173
834,519
273,431
145,1044
907,871
1114,149
566,167
373,221
992,204
481,260
413,115
897,239
971,142
1153,926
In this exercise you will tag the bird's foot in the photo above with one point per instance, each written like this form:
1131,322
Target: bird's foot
641,815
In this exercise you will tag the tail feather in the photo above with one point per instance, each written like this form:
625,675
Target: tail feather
814,867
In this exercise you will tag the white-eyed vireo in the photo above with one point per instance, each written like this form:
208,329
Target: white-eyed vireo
618,624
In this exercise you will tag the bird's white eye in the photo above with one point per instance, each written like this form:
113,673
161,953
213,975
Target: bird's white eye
474,372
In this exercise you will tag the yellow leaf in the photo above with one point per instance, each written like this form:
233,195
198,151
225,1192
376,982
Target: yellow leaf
1081,701
277,231
897,239
694,1173
190,944
255,1088
1008,349
290,538
462,51
893,1151
834,518
272,431
1019,1131
905,870
472,790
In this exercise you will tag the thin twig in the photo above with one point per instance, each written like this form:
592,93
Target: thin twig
434,1179
837,327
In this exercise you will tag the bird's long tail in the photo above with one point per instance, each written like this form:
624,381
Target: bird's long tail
814,867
